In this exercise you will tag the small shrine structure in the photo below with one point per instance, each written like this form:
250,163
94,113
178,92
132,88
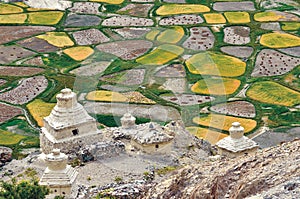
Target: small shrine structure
236,144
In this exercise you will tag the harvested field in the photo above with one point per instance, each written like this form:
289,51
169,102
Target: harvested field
127,21
13,19
234,6
85,8
187,99
90,36
138,10
126,50
91,69
270,63
40,109
294,51
75,20
79,53
214,18
216,86
9,54
132,33
237,17
270,26
11,33
129,77
7,112
173,9
27,90
176,85
8,138
209,135
9,9
36,61
201,38
236,108
173,70
237,51
237,35
172,35
275,16
19,71
161,55
273,93
223,122
208,63
45,18
279,40
58,39
153,112
38,45
181,20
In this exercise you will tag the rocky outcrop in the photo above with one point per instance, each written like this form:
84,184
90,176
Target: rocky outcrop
5,155
241,177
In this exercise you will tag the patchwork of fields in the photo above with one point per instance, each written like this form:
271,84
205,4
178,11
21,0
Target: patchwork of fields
212,62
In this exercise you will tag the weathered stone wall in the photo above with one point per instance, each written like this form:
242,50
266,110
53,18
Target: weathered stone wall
230,154
163,148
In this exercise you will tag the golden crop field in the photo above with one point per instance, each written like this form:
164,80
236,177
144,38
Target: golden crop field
59,39
267,16
224,122
46,18
208,63
237,17
13,18
8,138
214,18
209,135
216,86
171,35
109,1
9,9
279,40
79,53
290,25
173,9
273,93
161,55
39,109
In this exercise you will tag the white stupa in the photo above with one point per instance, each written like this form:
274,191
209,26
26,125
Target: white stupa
236,144
58,176
68,126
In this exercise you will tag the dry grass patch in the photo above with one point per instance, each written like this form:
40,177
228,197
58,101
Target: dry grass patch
224,122
237,17
39,109
79,53
214,18
161,55
9,9
273,93
209,135
279,40
58,39
173,9
208,63
172,35
13,18
216,86
45,18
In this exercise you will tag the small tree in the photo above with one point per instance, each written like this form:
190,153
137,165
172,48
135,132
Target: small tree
23,190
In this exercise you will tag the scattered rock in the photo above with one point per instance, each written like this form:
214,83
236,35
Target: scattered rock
9,54
5,154
237,35
85,8
127,21
181,20
201,38
188,99
237,108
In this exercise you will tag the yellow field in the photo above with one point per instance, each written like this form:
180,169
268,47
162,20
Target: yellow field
152,35
273,93
173,9
267,16
279,40
214,18
290,26
45,18
79,53
172,35
208,63
9,9
237,17
21,4
39,109
8,138
13,18
224,122
110,96
216,86
209,135
161,55
59,39
109,1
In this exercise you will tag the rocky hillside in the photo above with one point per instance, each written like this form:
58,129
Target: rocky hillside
270,172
